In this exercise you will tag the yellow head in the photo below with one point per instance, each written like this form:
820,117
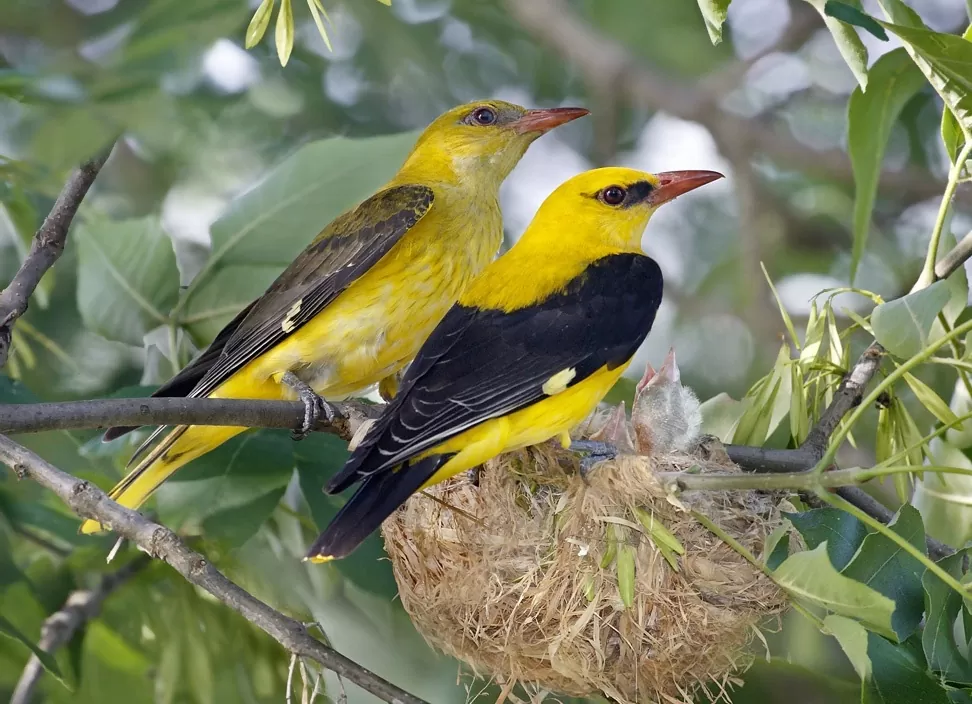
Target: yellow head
607,209
481,141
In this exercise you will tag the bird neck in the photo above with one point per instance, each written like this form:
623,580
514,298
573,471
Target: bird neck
535,268
453,170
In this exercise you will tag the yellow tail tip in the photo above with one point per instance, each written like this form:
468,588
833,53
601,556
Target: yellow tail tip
90,527
319,559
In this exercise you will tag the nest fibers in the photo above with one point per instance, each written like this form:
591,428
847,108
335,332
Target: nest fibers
531,575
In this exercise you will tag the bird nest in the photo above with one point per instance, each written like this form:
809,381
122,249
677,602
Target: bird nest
531,574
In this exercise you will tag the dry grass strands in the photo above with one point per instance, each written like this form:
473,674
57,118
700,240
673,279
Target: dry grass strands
535,576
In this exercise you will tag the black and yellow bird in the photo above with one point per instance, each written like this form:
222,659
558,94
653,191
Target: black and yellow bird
355,306
532,346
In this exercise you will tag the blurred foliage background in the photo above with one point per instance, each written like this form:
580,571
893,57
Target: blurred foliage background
228,164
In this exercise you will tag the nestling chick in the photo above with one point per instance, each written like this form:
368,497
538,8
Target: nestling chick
666,416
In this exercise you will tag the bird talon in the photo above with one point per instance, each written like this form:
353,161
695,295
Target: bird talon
315,407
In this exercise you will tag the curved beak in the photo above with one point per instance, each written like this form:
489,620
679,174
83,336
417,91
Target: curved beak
672,184
546,119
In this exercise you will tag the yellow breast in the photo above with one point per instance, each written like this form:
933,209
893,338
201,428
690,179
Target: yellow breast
375,327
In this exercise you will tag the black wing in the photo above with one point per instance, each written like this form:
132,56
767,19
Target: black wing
481,364
346,249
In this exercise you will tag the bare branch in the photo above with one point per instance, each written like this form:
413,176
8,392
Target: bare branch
87,501
80,607
45,249
848,396
105,413
954,259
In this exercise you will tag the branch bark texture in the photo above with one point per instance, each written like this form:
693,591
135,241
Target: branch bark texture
87,501
45,249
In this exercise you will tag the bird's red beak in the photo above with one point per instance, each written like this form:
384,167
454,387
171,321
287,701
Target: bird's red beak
546,119
672,184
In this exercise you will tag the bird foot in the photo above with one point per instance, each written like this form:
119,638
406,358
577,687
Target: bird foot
592,453
315,407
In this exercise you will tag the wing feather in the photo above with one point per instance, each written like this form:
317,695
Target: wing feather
482,364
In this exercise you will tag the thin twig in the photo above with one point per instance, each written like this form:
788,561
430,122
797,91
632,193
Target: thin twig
80,607
87,501
45,249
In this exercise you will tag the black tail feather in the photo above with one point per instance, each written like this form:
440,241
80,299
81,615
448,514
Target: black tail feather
374,501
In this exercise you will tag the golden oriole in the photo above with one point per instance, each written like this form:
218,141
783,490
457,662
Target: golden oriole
356,305
531,347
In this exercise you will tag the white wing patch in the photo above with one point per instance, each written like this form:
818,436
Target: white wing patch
288,323
558,382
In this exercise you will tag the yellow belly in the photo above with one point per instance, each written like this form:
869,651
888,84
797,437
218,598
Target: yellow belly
543,420
375,327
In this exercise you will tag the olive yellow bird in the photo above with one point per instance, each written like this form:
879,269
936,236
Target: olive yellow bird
532,346
357,304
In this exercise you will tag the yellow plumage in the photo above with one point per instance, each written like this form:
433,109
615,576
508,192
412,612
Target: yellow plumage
373,328
532,346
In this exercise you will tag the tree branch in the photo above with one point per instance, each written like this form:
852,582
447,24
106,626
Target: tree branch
87,501
80,607
45,249
105,413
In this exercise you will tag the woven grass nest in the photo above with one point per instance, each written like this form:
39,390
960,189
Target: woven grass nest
533,575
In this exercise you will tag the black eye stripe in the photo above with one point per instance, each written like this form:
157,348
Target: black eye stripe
632,194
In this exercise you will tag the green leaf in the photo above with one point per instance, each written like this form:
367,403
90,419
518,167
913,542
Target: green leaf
842,533
944,499
777,547
232,490
853,15
113,649
799,407
284,33
952,136
626,574
852,637
714,14
258,25
899,675
902,325
720,415
264,229
318,457
816,325
810,577
944,606
884,566
848,43
946,61
46,659
127,277
932,402
319,15
769,403
787,321
893,81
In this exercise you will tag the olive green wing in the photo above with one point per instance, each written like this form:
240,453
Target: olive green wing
346,249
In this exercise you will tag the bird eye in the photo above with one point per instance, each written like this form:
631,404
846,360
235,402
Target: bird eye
484,116
613,195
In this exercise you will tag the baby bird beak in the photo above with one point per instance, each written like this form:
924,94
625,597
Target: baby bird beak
672,184
546,119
